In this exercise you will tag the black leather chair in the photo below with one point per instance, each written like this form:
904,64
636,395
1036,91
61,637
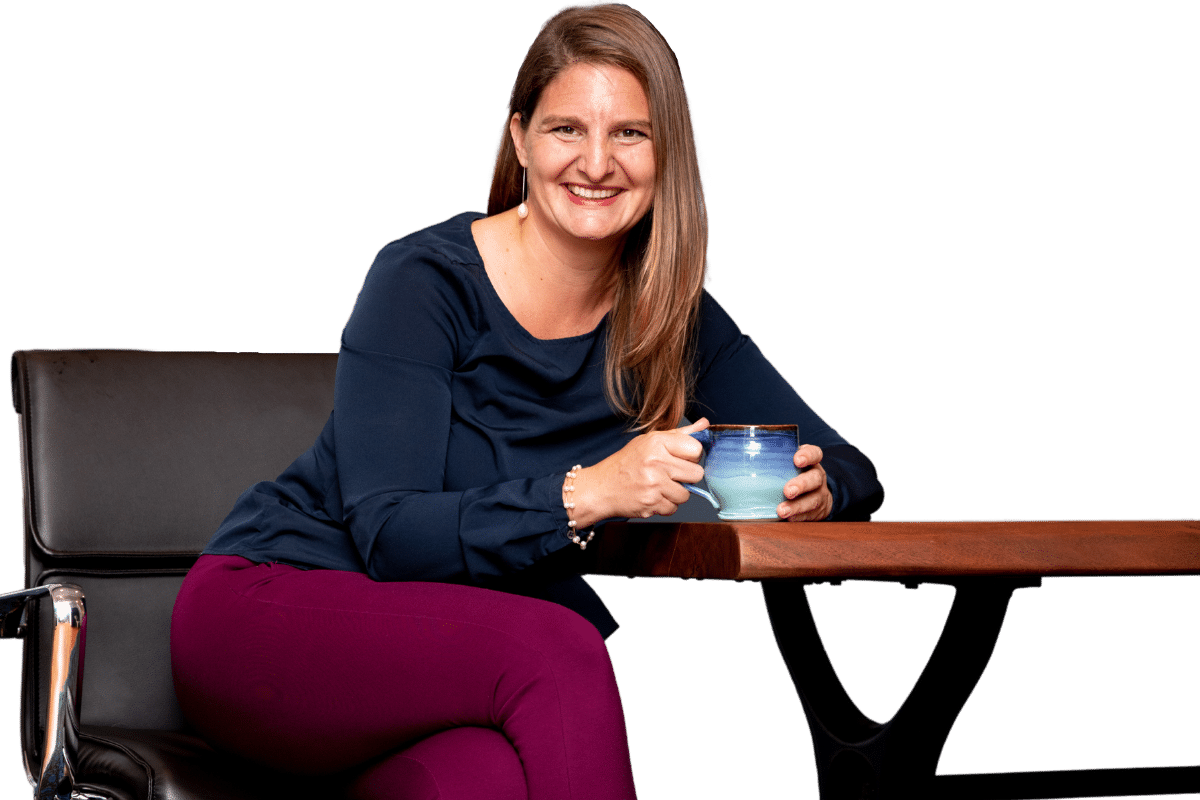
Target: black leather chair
130,462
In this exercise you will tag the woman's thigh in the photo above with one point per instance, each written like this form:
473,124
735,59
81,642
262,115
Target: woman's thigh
458,764
317,671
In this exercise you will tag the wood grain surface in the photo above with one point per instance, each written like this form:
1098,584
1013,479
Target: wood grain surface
758,550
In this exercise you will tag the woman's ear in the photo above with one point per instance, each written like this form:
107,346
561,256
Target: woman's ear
518,136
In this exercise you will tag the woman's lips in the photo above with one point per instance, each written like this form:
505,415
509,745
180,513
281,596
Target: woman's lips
591,195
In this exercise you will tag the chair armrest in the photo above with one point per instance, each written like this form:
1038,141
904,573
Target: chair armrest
57,779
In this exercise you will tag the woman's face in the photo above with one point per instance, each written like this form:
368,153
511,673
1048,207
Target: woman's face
589,153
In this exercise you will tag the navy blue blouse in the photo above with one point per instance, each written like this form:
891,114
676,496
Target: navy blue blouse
453,427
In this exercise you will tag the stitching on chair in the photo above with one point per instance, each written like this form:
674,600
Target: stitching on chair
132,756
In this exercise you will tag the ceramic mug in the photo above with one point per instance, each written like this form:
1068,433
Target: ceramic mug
746,467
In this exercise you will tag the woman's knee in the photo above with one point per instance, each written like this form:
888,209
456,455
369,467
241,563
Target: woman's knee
556,659
563,636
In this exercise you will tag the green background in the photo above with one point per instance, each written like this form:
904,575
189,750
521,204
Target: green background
967,233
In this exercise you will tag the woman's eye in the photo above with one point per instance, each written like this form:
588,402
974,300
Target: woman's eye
567,130
631,133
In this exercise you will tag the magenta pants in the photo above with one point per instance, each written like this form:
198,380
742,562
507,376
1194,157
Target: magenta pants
427,690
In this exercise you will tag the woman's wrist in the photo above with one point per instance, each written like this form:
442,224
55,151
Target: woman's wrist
579,534
580,498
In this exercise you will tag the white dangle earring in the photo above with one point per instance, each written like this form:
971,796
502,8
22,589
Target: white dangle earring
522,210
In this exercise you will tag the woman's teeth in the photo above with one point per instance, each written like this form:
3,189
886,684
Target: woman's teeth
591,194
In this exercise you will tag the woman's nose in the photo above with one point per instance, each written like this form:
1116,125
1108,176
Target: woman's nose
595,162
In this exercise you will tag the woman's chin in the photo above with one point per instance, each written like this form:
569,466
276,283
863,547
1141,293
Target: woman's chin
598,225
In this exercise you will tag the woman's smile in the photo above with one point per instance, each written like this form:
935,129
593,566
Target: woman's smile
580,194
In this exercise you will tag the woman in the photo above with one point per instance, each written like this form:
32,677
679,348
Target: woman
402,604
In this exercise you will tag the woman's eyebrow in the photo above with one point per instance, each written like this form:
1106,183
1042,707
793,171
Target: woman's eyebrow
555,120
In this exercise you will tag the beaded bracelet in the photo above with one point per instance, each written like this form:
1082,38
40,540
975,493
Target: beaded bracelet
569,505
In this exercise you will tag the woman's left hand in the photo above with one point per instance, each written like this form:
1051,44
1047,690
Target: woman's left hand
807,495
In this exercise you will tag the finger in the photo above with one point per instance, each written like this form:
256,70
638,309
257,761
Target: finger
667,502
807,481
684,448
807,455
685,472
811,506
681,445
676,494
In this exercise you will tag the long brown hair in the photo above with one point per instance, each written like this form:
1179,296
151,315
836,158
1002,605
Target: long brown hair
648,374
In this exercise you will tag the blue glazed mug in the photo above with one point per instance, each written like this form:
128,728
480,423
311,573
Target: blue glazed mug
746,467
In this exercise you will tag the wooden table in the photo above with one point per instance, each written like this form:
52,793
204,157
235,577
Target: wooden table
985,561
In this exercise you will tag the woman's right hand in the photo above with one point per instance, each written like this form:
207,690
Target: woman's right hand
643,478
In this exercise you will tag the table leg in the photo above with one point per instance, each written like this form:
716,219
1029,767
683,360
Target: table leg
856,756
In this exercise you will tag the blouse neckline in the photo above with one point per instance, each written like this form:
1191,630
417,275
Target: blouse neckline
506,314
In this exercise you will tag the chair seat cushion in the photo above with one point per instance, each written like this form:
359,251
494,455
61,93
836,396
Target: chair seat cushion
130,764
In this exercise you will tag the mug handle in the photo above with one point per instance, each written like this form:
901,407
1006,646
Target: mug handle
704,437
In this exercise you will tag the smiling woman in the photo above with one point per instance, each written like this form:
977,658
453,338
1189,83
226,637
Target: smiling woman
485,356
630,76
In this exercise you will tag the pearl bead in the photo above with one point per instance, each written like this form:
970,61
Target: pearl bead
569,505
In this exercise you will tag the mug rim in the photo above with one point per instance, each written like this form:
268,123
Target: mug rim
728,427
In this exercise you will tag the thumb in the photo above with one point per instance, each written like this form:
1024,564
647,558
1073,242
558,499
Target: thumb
695,427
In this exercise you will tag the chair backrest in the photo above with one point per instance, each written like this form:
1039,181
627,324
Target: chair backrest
130,461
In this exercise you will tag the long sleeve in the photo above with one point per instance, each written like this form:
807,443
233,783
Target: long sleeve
393,415
737,385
